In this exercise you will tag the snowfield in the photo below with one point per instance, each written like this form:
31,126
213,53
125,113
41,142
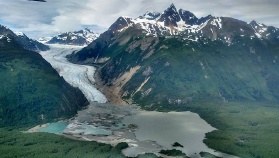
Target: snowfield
80,76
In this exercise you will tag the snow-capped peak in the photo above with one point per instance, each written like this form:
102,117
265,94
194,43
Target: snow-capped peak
88,34
171,21
81,37
170,16
182,22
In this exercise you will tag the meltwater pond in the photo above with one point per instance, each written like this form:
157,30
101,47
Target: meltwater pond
57,127
186,128
73,128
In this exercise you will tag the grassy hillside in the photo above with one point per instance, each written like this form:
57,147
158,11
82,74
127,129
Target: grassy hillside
32,92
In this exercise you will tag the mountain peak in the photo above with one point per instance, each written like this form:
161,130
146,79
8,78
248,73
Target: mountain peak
188,17
170,16
87,29
120,23
255,23
172,6
171,9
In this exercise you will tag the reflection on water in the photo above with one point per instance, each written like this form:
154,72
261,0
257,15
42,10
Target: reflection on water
144,131
186,128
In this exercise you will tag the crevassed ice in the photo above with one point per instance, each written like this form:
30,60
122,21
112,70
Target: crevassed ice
81,76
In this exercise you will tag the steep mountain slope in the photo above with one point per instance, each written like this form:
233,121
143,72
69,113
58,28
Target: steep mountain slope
161,59
224,69
23,40
32,92
82,37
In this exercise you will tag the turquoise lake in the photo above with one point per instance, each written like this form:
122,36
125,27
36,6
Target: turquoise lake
57,127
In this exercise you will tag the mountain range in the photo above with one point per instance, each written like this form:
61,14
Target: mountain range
215,57
222,68
80,38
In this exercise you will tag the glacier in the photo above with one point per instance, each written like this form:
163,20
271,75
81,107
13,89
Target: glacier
80,76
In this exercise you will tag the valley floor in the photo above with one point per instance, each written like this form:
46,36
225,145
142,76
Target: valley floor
245,129
102,119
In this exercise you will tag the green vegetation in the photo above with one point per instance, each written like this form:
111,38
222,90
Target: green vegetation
173,152
32,92
43,145
245,129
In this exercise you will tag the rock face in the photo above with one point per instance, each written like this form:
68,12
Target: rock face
182,59
23,40
79,38
32,92
170,17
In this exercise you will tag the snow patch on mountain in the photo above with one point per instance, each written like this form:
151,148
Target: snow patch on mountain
19,33
217,22
2,36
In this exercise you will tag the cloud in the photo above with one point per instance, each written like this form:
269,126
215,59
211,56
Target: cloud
56,16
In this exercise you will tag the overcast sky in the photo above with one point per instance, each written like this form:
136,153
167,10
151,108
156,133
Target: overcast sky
37,19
